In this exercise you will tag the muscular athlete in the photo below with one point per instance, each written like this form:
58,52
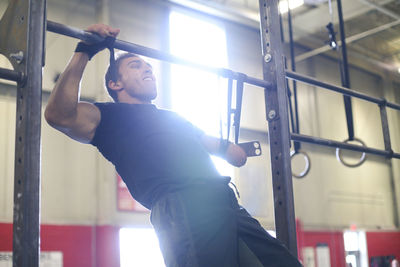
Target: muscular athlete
164,160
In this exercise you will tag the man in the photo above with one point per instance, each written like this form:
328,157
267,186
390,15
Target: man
165,162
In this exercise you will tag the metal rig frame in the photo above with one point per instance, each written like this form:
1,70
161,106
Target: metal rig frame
24,24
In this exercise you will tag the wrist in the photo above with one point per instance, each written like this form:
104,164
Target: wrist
223,147
84,48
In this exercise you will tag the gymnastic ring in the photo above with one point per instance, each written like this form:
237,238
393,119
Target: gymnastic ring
306,159
339,155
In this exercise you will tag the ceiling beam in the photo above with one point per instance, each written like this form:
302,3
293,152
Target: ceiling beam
349,40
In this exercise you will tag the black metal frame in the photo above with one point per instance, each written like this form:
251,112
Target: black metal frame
278,124
23,24
27,73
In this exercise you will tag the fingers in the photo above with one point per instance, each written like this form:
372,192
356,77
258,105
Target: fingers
103,30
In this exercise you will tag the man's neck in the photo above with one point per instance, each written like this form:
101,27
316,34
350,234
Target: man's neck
133,100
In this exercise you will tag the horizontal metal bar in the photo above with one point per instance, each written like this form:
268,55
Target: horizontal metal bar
337,144
349,40
392,105
339,89
149,52
11,75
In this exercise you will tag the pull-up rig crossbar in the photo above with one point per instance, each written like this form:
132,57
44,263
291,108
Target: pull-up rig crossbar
29,20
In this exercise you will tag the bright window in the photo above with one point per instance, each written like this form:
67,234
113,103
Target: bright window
139,247
199,96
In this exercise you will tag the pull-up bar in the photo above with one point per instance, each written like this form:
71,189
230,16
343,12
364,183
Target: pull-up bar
345,91
152,53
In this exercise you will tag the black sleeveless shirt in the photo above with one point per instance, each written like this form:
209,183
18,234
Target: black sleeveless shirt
155,151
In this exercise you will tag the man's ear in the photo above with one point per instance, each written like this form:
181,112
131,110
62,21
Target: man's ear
117,86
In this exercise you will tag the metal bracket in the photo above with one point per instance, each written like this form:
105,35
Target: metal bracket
13,25
252,149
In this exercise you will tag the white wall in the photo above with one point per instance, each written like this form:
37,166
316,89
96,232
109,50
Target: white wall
79,186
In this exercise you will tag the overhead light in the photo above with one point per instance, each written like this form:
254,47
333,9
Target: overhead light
284,5
398,70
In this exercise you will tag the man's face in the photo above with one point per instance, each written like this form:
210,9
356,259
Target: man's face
136,76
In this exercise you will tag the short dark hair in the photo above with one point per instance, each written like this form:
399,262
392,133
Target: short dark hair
109,74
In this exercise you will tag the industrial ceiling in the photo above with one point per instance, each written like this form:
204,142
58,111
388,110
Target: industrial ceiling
372,27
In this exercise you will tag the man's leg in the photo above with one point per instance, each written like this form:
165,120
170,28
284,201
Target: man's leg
197,227
255,241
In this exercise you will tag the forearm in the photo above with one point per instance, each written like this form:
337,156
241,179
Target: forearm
64,98
233,153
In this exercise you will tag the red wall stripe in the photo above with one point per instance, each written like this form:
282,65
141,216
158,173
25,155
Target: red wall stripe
85,246
6,232
333,239
107,246
82,246
75,242
383,244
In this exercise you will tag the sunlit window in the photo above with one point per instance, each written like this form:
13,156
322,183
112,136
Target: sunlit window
139,247
350,241
355,246
199,96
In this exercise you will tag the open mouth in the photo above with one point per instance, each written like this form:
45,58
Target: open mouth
148,79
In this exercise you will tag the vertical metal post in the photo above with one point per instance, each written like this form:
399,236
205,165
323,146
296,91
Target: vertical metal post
278,124
27,145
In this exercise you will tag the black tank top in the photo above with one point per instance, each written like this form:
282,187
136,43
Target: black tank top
155,151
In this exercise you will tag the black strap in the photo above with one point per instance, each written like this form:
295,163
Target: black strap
113,67
345,76
343,67
229,109
238,108
92,49
296,125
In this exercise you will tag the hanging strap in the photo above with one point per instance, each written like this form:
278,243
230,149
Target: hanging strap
229,110
343,64
345,74
296,129
113,67
238,108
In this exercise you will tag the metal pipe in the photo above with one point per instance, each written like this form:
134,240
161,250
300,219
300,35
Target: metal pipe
339,89
381,9
149,52
335,144
349,40
11,75
393,105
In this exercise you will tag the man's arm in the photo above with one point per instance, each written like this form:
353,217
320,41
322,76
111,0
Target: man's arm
64,112
234,154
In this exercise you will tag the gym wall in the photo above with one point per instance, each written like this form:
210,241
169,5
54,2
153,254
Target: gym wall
79,185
